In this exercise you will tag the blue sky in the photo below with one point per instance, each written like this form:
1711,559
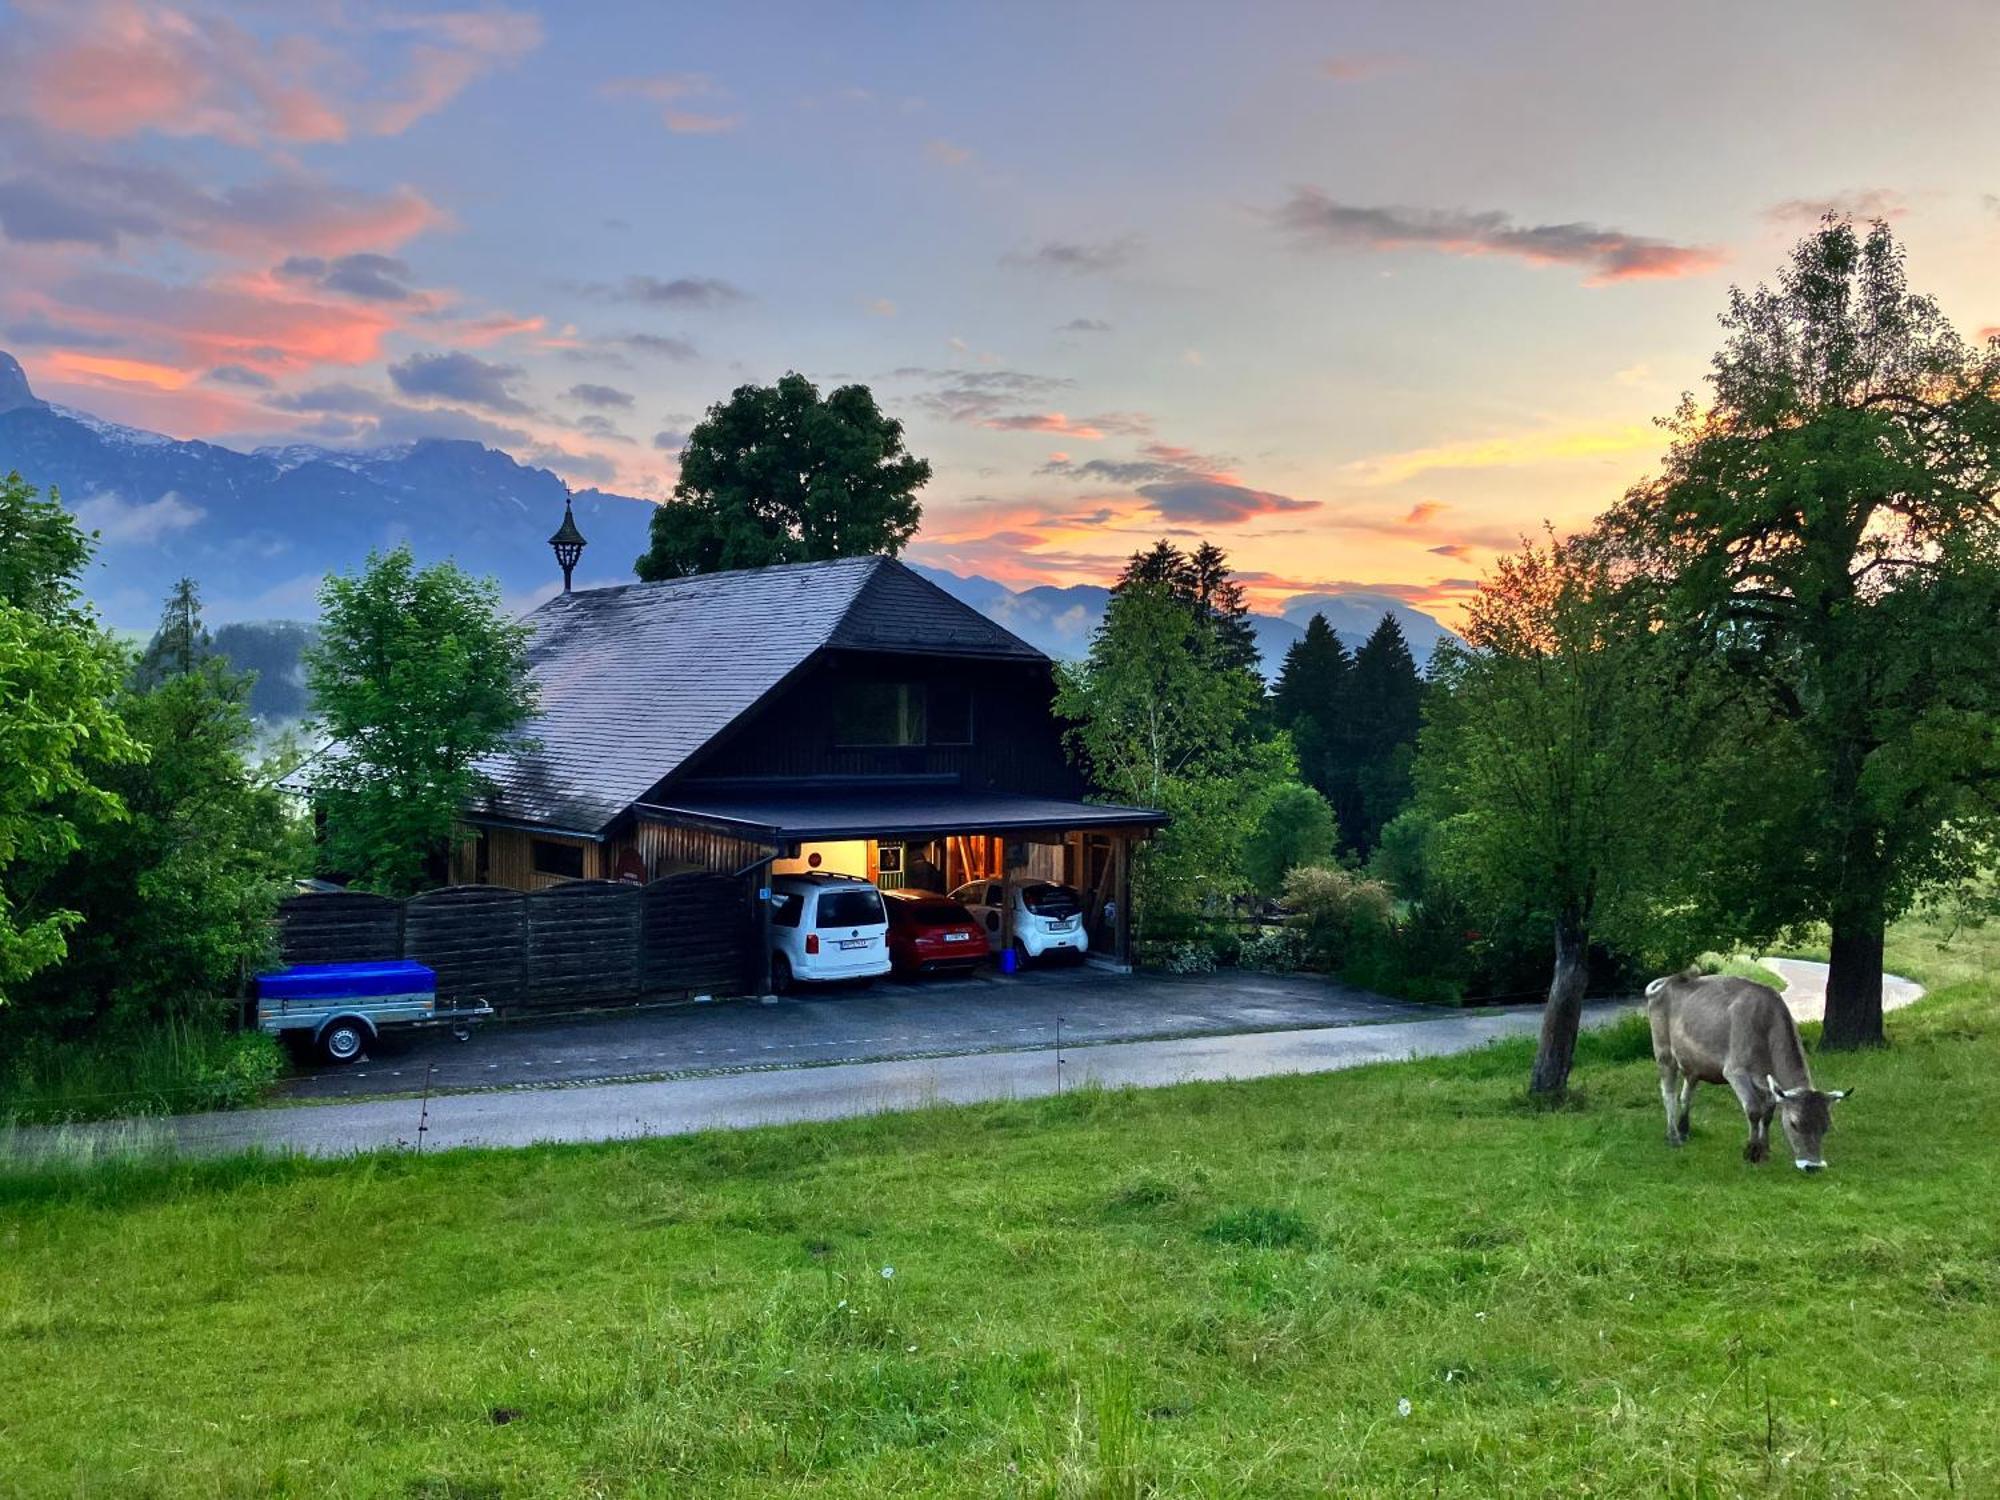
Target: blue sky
1362,292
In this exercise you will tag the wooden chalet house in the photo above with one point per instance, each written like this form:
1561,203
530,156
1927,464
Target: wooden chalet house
846,716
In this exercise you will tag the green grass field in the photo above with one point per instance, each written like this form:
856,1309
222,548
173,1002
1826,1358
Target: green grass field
1227,1290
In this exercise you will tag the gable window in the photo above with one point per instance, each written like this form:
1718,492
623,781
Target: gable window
872,714
877,715
550,858
950,713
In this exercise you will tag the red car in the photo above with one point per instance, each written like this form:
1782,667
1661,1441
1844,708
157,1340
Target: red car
930,933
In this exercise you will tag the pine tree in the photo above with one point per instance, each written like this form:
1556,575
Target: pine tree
1201,582
1386,694
1310,700
181,643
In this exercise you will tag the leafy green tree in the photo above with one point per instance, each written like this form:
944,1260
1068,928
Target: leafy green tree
417,675
778,474
1158,719
175,896
1294,827
58,675
1825,528
1549,760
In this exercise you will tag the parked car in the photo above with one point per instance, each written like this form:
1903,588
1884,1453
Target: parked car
825,928
930,933
1048,918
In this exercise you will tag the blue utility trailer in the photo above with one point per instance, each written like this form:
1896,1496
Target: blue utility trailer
341,1008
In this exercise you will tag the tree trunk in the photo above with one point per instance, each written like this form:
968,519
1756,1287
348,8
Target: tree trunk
1563,1013
1854,979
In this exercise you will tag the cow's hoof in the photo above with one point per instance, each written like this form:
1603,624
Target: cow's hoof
1755,1153
1677,1141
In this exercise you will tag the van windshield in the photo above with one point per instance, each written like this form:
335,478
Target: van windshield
860,908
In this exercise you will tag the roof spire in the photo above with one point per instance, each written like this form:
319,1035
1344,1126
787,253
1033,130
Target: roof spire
568,542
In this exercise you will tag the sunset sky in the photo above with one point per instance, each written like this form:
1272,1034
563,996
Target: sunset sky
1362,292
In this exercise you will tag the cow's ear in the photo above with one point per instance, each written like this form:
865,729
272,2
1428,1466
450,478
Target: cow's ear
1772,1084
1836,1095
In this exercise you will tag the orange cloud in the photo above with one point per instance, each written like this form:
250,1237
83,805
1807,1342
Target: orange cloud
1513,451
75,365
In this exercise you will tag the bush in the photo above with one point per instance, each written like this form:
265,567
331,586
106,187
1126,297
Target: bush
1275,950
1294,828
179,1067
1338,911
1403,860
1189,958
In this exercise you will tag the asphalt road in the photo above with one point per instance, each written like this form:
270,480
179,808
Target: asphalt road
937,1017
787,1091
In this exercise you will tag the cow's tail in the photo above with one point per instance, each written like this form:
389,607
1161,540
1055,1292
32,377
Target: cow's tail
1690,972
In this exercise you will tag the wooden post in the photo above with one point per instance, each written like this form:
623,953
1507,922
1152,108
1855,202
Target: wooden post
1006,900
1122,846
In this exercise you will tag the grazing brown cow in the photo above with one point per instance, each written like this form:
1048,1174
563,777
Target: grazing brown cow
1716,1028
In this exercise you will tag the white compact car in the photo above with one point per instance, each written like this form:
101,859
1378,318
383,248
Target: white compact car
1047,918
824,928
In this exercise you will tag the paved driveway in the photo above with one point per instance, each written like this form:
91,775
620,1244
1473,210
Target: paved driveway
940,1017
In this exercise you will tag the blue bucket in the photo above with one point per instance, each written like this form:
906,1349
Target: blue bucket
1009,960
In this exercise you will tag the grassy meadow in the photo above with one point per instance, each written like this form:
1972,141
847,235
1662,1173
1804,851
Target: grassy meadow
1396,1281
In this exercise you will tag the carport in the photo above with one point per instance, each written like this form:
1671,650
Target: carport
921,834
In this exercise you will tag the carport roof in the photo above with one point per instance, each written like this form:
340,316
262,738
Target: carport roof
779,815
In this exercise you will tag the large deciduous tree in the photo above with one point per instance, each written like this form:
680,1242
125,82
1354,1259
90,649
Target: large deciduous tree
417,675
780,474
1550,762
1825,527
58,730
1164,716
175,895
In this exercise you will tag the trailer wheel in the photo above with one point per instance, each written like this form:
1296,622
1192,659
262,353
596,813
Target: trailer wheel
343,1040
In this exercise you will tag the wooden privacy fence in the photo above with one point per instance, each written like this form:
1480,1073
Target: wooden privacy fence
586,942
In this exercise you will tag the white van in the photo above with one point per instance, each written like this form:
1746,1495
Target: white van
826,927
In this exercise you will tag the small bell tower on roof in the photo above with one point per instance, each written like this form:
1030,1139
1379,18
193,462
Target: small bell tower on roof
568,542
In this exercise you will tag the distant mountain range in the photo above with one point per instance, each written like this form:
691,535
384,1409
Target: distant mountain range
1060,620
259,530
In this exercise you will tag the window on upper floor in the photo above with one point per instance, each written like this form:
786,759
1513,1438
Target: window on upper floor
878,715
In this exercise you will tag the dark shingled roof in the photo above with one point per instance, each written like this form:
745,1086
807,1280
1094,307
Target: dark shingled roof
633,680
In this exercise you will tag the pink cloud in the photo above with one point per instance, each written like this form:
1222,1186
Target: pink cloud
1610,255
671,91
107,69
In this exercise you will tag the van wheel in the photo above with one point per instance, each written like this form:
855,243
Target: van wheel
343,1041
1022,958
781,974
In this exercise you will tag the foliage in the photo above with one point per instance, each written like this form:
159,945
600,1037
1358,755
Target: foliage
1353,722
1405,858
417,674
1569,1307
181,643
179,1066
175,896
271,653
1549,762
778,474
1340,913
1385,708
1273,950
1825,529
1201,582
1294,827
58,730
1160,718
1188,957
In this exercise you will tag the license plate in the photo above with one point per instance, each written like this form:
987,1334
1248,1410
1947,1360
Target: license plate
958,937
857,942
1068,924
